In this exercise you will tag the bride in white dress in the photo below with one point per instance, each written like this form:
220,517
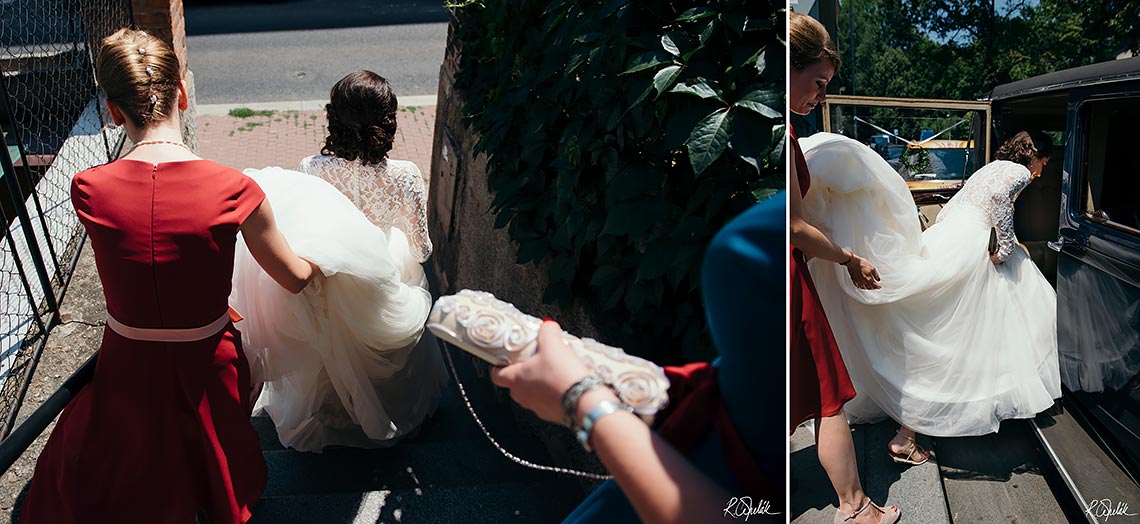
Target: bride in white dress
347,361
957,339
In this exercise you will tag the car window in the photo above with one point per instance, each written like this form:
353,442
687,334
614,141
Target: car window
1111,165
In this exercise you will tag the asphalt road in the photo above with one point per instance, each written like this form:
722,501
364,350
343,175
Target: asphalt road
297,49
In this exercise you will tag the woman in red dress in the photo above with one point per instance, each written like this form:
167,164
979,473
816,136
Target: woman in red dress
819,383
162,432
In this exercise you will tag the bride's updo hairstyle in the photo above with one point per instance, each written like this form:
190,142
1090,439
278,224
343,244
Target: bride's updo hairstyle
362,118
1025,147
808,42
140,74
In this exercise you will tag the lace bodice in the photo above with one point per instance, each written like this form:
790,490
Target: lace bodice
391,194
992,190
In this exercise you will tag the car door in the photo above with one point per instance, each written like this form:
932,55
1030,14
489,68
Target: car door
1098,267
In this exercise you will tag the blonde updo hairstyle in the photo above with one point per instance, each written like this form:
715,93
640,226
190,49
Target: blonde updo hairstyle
808,42
140,74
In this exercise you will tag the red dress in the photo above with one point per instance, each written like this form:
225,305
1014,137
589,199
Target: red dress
819,383
162,432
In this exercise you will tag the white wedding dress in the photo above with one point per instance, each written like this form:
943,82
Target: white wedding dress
952,344
346,362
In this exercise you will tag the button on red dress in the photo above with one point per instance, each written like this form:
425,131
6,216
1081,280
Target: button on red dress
162,432
819,383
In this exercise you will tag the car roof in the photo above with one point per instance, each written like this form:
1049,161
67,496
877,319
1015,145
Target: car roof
1102,73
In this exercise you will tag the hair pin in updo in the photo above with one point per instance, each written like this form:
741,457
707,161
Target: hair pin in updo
153,99
142,51
149,71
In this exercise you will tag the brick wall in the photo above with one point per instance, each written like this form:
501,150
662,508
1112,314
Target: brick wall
165,19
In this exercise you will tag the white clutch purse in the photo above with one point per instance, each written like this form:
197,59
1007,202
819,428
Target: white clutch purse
500,334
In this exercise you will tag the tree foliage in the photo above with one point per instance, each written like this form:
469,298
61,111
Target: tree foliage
621,135
961,49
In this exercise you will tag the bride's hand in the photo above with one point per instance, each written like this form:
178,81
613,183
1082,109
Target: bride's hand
996,261
863,273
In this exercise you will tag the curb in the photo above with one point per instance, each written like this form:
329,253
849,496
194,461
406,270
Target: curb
300,105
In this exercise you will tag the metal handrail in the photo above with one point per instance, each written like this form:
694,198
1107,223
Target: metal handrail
22,437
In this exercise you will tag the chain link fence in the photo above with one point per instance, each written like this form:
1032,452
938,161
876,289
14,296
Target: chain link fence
53,124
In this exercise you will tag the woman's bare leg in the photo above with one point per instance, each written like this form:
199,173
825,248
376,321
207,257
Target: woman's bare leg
837,456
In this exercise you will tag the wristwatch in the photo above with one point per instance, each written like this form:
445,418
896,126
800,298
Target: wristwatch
603,408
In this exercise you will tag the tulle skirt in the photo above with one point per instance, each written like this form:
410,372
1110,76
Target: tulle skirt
952,344
347,361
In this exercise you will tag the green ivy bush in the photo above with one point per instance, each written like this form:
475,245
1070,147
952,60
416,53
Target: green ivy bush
621,135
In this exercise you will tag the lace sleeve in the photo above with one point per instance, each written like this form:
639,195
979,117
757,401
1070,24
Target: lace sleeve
411,216
1011,183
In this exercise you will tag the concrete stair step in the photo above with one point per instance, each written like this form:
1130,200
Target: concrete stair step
406,466
1002,477
522,502
917,490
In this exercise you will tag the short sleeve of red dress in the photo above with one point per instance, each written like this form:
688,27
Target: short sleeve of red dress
247,198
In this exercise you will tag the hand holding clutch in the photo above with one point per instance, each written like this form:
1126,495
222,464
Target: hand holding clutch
500,334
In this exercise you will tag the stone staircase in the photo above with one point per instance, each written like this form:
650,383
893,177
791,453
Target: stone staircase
997,478
449,472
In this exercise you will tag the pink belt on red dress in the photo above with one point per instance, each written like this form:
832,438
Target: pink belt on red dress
175,334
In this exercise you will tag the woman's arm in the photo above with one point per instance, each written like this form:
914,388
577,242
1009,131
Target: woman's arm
660,483
815,244
272,252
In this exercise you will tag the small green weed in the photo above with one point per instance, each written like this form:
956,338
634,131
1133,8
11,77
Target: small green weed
245,112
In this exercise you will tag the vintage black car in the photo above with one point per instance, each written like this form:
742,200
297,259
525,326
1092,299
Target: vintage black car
1081,223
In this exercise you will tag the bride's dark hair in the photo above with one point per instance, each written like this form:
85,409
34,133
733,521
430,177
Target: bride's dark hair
362,118
1024,147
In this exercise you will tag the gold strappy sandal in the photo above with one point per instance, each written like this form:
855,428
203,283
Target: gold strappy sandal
907,456
889,517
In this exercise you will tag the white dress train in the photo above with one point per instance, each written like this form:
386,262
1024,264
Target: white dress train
952,344
346,362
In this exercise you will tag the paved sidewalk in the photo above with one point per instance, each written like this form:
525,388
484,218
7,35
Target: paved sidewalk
283,137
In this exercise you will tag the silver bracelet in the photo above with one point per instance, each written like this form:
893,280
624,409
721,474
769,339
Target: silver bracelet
603,408
575,392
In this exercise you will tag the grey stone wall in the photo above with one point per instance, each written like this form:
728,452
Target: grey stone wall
469,253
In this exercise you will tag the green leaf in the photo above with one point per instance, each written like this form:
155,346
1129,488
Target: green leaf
633,217
764,102
657,260
531,252
758,61
735,20
668,44
632,181
699,87
681,122
502,219
606,276
695,13
751,138
707,32
635,297
614,297
665,78
647,60
769,186
709,139
779,139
